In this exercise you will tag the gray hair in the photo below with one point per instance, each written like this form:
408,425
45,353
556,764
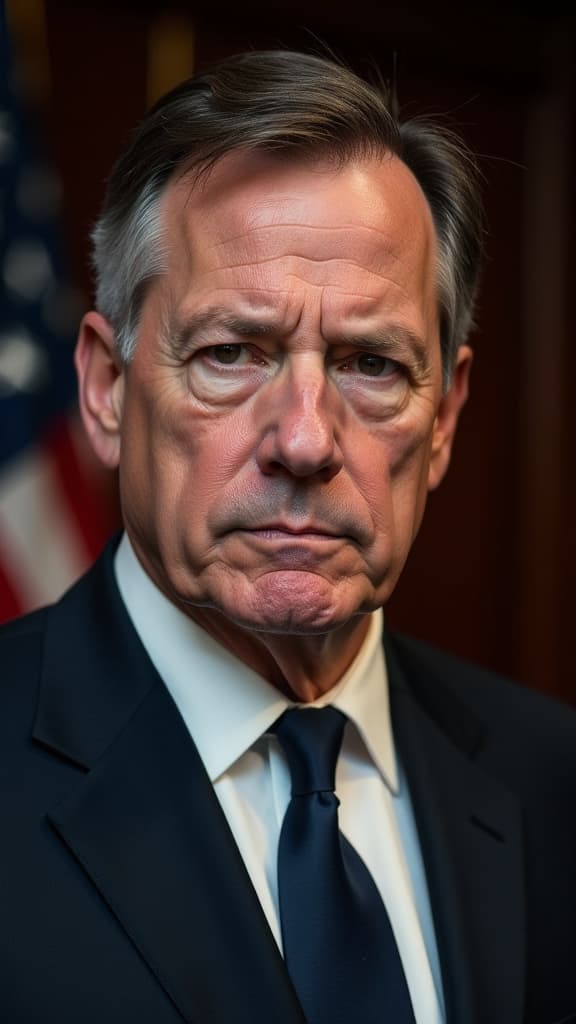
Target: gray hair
297,106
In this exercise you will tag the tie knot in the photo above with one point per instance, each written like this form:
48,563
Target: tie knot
311,739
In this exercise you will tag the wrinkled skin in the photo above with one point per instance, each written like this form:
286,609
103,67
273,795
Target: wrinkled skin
282,420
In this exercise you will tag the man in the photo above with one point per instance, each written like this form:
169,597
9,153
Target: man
277,364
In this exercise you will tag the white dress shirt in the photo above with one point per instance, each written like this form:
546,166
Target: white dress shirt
229,709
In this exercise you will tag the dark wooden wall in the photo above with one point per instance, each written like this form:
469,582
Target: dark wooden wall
493,572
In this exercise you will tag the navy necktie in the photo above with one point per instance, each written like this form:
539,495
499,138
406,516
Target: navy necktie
338,943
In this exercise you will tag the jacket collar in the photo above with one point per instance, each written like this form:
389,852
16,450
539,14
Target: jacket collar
95,671
143,820
470,832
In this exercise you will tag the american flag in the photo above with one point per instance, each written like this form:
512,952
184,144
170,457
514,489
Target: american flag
53,517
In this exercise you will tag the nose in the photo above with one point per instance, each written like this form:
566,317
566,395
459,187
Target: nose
301,422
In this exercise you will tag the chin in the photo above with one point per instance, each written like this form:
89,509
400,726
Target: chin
296,603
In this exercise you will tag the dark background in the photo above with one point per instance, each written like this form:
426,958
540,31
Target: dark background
493,572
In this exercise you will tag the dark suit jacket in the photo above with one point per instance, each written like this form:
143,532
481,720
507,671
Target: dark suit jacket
125,898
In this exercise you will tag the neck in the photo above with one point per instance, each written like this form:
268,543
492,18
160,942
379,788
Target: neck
301,667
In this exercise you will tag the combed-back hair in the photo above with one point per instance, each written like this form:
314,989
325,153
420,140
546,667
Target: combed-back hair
297,106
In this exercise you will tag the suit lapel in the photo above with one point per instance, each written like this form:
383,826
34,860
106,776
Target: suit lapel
470,833
148,830
145,825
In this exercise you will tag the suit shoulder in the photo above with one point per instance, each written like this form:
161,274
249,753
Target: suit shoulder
24,626
21,645
509,707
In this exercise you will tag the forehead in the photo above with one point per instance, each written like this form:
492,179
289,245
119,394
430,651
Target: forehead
256,219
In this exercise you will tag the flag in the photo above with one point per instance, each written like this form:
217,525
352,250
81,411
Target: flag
53,514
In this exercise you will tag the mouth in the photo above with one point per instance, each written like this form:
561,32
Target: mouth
286,533
273,532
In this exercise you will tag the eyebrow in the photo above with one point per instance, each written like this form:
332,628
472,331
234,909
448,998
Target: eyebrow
392,340
182,335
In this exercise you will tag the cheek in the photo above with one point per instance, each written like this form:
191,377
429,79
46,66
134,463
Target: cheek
395,469
154,454
396,492
182,458
208,454
410,474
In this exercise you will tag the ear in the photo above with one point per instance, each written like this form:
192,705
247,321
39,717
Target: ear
101,387
446,420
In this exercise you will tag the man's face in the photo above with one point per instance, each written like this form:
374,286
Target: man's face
282,419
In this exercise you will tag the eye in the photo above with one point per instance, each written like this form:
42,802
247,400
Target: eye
226,355
370,364
375,366
226,372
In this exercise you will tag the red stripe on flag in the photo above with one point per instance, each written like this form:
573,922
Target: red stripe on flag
10,604
78,488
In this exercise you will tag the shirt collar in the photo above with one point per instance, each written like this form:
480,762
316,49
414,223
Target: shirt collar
225,705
